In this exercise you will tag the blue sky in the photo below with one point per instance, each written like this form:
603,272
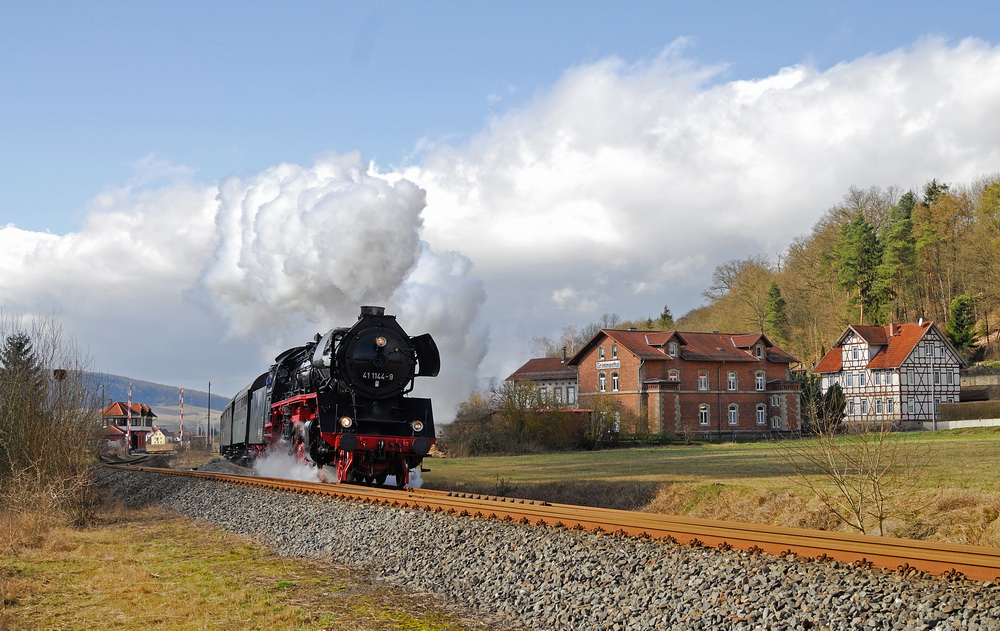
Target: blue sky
232,88
206,165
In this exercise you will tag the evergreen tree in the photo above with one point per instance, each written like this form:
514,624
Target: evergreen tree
858,257
777,314
22,398
834,403
666,319
962,321
896,276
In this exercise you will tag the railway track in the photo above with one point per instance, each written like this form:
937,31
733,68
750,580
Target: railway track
944,559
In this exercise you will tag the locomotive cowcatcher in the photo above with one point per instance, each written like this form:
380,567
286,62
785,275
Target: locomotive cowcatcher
340,401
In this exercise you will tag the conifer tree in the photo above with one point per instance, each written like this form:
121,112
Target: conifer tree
777,314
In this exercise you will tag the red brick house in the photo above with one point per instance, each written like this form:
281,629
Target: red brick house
710,383
556,380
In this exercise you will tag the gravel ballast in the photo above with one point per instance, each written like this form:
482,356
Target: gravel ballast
548,578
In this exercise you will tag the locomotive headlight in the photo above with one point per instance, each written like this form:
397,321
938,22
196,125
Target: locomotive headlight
380,341
417,426
346,421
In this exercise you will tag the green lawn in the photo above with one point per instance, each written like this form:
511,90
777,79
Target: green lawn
958,459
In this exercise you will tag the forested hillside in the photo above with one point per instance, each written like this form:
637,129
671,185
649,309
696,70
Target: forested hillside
880,255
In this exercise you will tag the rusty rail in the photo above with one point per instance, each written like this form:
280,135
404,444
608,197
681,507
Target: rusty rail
947,559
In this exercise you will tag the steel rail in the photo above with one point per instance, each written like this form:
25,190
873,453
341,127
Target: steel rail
947,559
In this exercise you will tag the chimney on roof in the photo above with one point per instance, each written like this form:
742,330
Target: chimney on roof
563,360
920,322
892,329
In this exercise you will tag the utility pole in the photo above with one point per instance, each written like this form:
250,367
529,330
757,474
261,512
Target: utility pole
209,416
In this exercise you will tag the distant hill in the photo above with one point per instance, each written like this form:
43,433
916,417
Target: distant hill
161,398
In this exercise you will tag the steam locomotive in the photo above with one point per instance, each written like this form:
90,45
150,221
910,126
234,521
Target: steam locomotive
340,401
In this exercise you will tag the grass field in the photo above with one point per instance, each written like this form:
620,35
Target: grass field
150,570
955,493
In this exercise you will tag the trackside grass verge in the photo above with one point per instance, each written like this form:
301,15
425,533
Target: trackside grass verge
956,496
152,570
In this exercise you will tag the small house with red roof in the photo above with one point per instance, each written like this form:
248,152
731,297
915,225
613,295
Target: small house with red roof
893,373
709,383
121,420
556,381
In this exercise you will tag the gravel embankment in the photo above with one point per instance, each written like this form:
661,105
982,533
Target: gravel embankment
558,579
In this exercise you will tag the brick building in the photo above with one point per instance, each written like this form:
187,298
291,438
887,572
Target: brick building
711,383
555,379
893,373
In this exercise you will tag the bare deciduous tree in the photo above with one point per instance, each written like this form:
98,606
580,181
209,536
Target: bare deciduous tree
49,422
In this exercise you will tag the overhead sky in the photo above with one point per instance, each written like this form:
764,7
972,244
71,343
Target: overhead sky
192,187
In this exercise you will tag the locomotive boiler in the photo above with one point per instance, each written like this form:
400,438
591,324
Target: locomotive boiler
340,401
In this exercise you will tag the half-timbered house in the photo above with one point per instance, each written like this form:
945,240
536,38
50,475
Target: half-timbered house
894,373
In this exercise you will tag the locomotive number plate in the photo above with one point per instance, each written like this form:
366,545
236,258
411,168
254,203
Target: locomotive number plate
379,376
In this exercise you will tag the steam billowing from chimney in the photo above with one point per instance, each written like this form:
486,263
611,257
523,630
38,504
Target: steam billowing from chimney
300,248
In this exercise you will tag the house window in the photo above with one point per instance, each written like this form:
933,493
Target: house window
937,378
558,394
614,351
861,380
673,375
776,422
702,380
889,405
759,380
570,394
600,353
951,379
732,380
849,380
703,414
775,400
734,414
761,414
542,393
910,405
759,352
878,406
602,382
672,349
928,351
614,382
940,352
850,407
864,406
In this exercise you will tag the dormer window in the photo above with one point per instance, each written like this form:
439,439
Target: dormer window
759,351
672,349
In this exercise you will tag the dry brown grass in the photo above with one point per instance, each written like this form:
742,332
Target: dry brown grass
955,516
152,570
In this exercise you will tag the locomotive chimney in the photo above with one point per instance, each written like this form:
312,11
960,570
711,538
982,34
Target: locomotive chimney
372,311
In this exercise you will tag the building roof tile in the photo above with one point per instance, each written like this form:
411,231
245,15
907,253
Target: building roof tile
543,368
653,346
894,344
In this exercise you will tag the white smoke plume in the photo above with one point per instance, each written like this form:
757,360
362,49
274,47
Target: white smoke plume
300,249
